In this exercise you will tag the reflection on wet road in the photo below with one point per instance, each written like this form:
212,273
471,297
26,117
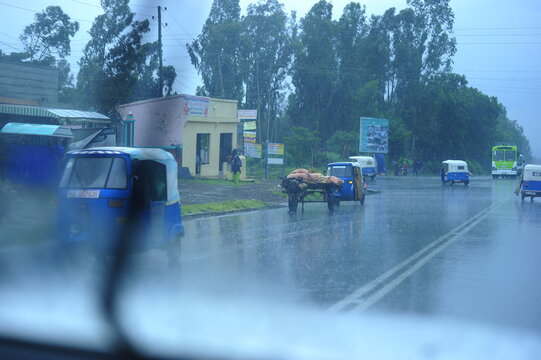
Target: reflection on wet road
417,247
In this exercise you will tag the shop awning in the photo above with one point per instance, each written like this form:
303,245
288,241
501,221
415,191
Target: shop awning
72,115
35,129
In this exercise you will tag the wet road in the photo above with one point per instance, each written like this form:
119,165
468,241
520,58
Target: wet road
467,254
417,247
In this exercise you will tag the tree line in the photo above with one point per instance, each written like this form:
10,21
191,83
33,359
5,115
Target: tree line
311,79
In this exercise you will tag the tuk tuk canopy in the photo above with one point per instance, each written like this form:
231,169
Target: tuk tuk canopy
455,166
156,155
532,172
364,161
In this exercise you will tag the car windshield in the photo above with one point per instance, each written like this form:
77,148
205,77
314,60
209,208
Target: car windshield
95,172
270,179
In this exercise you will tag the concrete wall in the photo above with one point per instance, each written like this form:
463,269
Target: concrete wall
176,120
29,82
158,122
222,118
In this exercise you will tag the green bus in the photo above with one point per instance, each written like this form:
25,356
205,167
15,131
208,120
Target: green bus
504,161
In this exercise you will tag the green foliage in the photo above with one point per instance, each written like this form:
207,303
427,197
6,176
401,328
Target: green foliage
216,54
49,34
344,144
301,145
117,65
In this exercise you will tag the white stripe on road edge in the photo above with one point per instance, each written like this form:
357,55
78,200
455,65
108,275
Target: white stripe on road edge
439,244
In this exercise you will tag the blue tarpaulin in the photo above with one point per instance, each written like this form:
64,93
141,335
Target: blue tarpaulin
380,160
35,165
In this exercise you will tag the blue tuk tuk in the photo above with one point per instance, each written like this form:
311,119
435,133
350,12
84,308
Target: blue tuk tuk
353,188
104,190
367,164
455,171
530,182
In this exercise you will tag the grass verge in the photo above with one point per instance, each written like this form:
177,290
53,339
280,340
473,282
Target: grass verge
225,206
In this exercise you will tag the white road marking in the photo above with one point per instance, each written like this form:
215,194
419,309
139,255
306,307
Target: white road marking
433,249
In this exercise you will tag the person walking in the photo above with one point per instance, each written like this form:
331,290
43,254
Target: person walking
236,164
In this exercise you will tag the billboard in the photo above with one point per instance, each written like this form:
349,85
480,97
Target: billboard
374,136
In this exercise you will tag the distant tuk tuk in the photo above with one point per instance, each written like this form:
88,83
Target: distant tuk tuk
354,188
530,182
454,171
105,190
367,164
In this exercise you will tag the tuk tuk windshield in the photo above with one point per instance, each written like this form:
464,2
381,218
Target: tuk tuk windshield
340,171
95,172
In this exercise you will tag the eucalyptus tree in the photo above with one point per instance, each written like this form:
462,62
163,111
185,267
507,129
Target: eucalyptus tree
215,53
266,48
315,72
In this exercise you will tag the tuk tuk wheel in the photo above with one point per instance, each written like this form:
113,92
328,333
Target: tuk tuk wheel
292,203
173,248
466,183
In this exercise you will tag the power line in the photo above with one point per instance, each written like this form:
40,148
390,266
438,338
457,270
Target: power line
34,11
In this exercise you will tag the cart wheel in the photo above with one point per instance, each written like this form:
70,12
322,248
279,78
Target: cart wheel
531,199
362,199
292,203
336,203
173,249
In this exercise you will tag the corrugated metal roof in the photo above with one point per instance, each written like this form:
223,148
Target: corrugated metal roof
54,113
35,129
77,114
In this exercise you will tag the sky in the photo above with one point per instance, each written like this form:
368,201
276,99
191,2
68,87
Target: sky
499,42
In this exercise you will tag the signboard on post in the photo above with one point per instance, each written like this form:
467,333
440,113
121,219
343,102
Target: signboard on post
247,114
249,125
374,135
252,150
275,149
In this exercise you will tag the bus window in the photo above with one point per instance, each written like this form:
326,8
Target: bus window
498,155
510,155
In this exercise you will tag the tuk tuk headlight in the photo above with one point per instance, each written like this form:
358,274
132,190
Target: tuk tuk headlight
75,229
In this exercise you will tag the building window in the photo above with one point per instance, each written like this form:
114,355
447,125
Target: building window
202,152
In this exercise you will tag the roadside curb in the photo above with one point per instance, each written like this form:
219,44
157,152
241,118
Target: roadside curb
231,212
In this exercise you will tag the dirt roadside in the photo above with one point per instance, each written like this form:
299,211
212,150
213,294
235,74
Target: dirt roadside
193,192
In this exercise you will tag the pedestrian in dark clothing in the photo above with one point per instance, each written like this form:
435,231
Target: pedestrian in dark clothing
236,164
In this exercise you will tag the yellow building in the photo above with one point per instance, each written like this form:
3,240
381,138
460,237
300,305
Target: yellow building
199,131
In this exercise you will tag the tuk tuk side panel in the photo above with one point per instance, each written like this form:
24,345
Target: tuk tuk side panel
531,185
457,176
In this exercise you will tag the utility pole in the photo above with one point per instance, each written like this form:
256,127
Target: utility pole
160,52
